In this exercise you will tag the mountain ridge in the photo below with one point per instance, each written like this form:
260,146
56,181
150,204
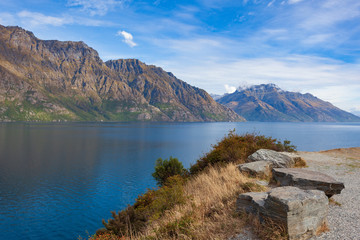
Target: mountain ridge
268,102
49,80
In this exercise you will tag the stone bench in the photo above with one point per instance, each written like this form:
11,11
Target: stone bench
302,212
307,179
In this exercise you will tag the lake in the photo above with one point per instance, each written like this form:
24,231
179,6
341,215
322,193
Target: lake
58,181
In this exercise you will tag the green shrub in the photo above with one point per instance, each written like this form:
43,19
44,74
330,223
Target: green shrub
147,207
167,168
236,148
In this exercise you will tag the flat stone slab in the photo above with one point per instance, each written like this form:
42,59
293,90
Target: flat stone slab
260,168
307,179
302,212
251,202
277,159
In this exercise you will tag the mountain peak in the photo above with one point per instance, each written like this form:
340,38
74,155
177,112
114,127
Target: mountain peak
260,87
64,80
267,102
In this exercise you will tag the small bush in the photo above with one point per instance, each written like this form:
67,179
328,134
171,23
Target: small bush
147,207
236,148
167,168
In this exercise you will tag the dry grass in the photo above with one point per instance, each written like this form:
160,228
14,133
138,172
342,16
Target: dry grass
210,212
332,201
300,162
323,228
267,229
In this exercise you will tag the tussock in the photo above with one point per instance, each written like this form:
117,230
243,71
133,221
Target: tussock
210,209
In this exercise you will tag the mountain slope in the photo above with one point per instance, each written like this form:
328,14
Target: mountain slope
267,102
53,80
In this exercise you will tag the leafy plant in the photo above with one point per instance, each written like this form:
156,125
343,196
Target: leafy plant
167,168
147,207
236,148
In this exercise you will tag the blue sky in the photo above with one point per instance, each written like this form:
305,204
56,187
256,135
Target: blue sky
300,45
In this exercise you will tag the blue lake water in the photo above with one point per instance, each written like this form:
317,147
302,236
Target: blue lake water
58,181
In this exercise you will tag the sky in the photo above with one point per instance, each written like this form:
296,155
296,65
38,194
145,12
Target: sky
217,45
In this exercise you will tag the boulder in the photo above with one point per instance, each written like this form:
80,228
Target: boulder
302,212
277,159
307,179
259,168
251,202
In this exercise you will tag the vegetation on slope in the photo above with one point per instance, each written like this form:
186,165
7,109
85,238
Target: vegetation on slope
196,205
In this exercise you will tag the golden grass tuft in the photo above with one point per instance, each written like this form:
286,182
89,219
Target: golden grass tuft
300,162
210,212
323,228
267,229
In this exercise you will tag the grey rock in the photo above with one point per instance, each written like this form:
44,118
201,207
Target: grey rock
251,202
277,159
296,158
307,179
303,212
259,168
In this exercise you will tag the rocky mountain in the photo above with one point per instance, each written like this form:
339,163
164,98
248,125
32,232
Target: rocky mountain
267,102
53,80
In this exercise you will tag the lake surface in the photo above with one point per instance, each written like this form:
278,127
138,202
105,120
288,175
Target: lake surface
58,181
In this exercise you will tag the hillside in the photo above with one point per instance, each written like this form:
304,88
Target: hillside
53,80
267,102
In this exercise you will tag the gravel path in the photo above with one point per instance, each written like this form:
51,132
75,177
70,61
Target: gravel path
344,166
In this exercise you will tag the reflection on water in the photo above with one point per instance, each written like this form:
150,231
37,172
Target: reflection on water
58,181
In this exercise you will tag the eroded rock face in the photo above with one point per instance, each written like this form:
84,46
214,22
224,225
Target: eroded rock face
37,78
251,202
307,179
277,159
259,168
302,212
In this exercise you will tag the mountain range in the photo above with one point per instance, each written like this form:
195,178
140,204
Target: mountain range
49,80
267,102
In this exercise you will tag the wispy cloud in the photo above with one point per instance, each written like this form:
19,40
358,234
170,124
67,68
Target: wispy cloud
35,19
96,7
319,76
28,19
128,38
294,1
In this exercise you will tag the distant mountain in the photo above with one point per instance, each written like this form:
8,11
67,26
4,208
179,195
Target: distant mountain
357,113
53,80
216,96
267,102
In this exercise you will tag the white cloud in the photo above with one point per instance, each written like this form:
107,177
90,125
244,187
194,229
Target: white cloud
30,20
96,7
294,1
229,89
35,19
317,38
330,80
271,3
128,38
7,19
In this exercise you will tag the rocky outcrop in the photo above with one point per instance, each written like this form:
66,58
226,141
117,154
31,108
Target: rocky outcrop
306,179
267,102
256,169
277,159
302,212
54,80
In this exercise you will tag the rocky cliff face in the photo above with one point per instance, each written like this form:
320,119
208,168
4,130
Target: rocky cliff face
53,80
267,102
